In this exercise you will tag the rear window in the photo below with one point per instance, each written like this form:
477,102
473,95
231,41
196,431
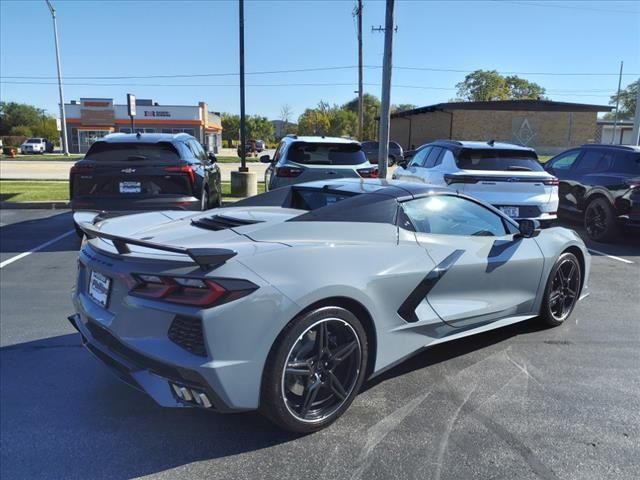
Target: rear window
132,151
627,162
507,160
312,199
326,153
34,140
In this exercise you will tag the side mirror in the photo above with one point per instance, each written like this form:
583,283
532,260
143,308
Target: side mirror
212,157
265,159
528,228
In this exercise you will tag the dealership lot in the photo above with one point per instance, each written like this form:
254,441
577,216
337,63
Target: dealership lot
520,402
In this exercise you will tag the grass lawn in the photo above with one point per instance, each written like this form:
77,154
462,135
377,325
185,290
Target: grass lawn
543,158
33,190
47,156
50,190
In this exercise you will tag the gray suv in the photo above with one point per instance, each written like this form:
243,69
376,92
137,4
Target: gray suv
305,159
371,147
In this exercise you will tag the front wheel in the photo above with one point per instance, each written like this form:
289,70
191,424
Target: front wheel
314,370
562,290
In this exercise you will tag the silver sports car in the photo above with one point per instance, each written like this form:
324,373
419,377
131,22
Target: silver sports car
288,301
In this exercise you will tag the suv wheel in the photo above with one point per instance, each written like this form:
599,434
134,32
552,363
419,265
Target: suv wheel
314,370
600,221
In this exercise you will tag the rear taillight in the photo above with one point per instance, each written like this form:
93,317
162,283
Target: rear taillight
551,181
371,172
451,179
188,169
199,292
79,169
288,171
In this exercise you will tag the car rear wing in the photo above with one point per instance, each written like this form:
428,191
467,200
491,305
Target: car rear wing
204,257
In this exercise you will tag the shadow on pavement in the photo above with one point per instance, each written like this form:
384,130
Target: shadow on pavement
27,234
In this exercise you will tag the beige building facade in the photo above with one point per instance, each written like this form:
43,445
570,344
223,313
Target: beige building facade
549,127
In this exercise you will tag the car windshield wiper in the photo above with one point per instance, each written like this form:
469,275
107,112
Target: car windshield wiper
519,168
137,157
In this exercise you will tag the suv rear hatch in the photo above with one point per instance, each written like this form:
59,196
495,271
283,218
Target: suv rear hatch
134,170
512,180
320,161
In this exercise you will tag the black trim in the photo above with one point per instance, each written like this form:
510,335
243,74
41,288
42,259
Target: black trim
408,308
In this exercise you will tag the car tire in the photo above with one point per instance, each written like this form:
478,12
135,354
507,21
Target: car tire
314,370
562,291
218,202
600,220
268,173
204,200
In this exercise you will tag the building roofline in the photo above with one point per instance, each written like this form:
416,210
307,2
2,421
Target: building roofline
507,105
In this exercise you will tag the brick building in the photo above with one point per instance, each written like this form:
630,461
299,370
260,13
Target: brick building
549,127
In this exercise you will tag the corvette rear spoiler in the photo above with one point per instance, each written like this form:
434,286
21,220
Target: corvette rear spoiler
204,257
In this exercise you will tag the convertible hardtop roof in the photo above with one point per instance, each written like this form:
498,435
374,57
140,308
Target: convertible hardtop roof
391,188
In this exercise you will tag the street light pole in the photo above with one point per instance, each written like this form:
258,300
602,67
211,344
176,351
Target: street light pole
615,120
63,116
360,99
243,127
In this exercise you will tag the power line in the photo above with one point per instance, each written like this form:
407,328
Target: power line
567,7
332,84
303,70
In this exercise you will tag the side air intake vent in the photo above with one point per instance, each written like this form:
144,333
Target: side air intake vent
221,222
187,333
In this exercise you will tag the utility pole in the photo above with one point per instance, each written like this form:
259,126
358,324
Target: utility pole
615,120
360,93
383,138
63,116
243,126
635,136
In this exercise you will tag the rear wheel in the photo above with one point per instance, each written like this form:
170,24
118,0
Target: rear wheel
314,370
600,220
204,199
562,290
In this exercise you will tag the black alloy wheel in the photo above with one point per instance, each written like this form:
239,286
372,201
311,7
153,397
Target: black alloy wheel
599,220
563,290
204,200
315,370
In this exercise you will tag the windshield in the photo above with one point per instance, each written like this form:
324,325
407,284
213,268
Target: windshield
101,151
493,159
34,140
326,153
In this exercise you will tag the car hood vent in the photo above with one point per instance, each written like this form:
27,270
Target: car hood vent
221,222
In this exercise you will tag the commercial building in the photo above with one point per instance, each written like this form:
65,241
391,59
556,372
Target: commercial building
92,118
549,127
623,132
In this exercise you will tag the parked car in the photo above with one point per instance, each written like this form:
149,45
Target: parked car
252,146
36,145
370,149
601,183
507,176
290,300
145,171
304,159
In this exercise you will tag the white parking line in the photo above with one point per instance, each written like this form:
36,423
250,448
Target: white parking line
39,247
623,260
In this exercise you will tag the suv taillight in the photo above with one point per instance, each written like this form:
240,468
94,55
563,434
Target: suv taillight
199,292
450,179
371,172
188,169
552,181
634,182
288,171
78,169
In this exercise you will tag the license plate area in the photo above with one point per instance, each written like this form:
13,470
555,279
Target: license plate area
99,288
130,187
513,212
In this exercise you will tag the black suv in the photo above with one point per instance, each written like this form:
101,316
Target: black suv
602,184
145,171
370,149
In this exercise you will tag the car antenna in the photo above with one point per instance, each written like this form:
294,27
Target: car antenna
491,142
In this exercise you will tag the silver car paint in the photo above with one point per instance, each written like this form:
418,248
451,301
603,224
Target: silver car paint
376,265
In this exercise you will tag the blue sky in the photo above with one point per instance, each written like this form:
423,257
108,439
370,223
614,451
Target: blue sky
142,38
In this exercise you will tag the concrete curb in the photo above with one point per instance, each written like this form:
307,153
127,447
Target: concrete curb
64,204
47,205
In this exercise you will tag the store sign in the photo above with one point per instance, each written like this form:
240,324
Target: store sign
131,105
96,103
153,113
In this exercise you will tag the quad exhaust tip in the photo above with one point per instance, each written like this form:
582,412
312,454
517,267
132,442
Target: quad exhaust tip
191,395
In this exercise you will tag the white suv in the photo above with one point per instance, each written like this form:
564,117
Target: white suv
33,145
510,177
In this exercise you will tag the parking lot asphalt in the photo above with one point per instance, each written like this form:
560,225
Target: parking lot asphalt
520,402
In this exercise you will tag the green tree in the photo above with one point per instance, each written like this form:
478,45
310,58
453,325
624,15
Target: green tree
371,112
314,121
627,106
488,85
259,128
21,131
401,107
342,122
230,128
20,117
521,89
